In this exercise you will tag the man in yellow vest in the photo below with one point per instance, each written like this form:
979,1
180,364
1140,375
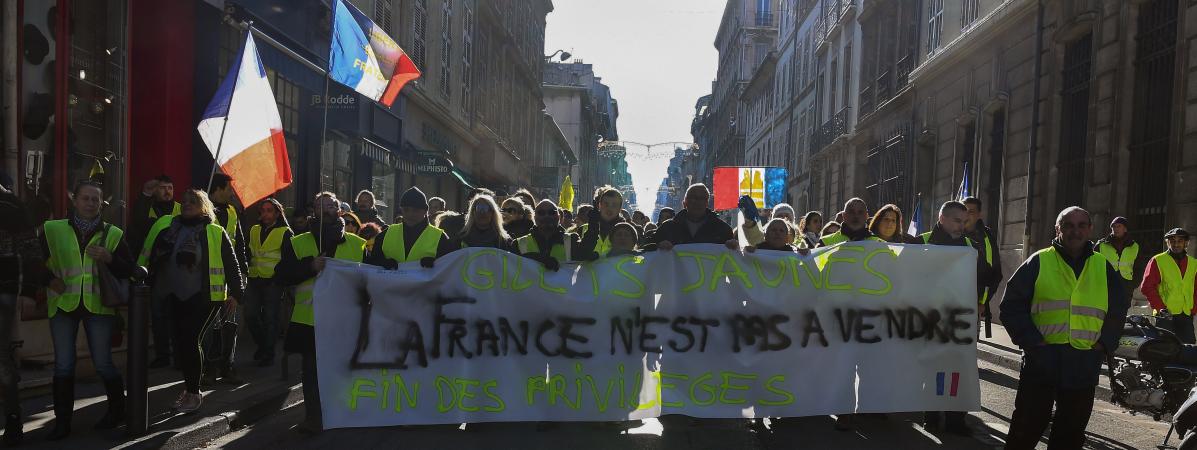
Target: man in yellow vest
157,199
263,293
303,258
224,348
1168,283
986,243
412,240
549,243
1065,307
1122,251
949,230
855,226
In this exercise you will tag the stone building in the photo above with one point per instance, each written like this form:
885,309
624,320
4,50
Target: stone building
747,34
582,106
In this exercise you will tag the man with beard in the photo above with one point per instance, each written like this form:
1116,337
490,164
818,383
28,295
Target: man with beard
157,199
303,258
412,240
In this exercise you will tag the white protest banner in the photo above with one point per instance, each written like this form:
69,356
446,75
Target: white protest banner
488,336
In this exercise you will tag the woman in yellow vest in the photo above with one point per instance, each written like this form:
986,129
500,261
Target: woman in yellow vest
547,241
74,247
195,269
1169,282
263,293
303,257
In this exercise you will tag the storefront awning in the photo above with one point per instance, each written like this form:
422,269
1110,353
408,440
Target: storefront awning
466,180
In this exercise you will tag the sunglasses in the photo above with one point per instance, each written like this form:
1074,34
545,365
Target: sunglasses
482,208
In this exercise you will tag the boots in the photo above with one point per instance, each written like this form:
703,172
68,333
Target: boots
13,432
64,406
116,405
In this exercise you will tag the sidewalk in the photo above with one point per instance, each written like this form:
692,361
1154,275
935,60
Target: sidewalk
1000,350
225,406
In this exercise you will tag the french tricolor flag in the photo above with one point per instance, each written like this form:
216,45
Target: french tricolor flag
242,129
364,58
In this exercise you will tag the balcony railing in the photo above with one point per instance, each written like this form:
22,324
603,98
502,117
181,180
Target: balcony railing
904,66
867,102
827,22
832,129
885,85
764,19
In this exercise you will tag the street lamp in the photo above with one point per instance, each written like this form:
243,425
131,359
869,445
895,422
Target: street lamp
564,55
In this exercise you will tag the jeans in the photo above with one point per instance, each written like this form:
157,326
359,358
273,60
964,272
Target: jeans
64,329
9,375
162,325
311,389
263,298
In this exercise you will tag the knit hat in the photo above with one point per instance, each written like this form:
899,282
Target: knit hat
1119,220
414,198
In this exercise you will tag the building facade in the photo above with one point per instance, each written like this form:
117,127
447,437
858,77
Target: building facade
582,106
746,36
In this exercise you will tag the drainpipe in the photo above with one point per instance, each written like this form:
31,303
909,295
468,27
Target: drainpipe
9,66
1033,145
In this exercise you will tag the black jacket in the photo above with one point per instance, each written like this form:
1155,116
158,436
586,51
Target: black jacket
784,247
941,237
233,277
1059,364
21,258
240,245
712,231
993,275
140,221
518,228
370,215
410,234
581,247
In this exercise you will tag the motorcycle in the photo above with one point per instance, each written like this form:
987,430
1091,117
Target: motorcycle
1152,372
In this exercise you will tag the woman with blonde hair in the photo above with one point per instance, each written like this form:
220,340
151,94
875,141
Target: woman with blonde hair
196,273
483,226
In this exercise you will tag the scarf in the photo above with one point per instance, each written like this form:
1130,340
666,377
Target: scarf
85,227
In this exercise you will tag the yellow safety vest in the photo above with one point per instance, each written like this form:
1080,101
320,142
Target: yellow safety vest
230,226
264,256
1067,309
425,246
838,237
174,211
1124,263
217,289
304,245
603,245
76,270
1176,289
560,252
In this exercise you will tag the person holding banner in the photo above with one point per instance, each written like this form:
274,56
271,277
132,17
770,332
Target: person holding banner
625,240
75,248
603,214
1065,307
196,273
263,293
777,237
303,258
949,230
413,240
810,228
697,224
854,227
886,224
547,243
483,226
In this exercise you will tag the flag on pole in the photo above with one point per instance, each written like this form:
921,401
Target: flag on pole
766,186
963,192
242,129
364,58
916,219
565,200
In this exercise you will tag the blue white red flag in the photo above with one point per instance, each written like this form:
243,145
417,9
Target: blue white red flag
364,58
242,129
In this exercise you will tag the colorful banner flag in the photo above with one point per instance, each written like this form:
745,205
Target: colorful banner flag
565,200
364,58
766,186
242,129
963,192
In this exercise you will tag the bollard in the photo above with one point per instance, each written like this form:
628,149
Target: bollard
138,355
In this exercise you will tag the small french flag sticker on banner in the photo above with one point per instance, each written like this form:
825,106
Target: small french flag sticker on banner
941,381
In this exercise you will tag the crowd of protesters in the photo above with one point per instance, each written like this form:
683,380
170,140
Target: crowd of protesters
208,266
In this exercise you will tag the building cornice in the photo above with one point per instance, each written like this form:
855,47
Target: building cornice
1007,15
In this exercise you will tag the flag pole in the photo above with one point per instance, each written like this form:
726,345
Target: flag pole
225,124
